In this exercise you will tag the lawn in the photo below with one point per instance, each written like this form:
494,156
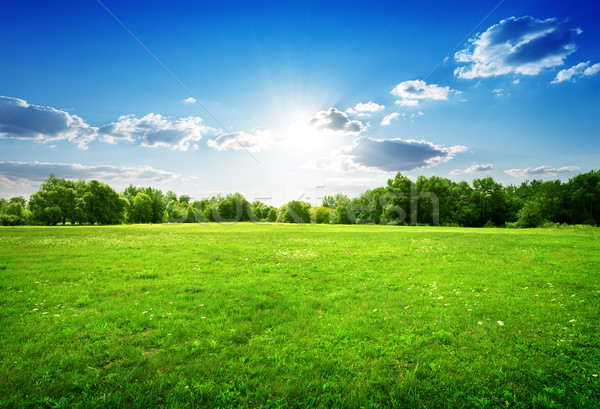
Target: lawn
272,315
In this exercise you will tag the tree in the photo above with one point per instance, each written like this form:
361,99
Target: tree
320,215
297,212
176,212
258,211
435,204
141,209
530,215
55,202
489,198
13,212
232,208
158,207
584,198
103,205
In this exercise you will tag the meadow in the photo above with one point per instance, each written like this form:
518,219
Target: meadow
274,316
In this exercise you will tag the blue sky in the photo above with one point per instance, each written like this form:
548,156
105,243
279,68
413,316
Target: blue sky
299,99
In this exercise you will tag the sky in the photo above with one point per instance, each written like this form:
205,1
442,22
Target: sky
296,100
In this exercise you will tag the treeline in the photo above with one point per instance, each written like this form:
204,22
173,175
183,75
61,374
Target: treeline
430,201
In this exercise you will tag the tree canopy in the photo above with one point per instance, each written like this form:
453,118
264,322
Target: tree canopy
430,200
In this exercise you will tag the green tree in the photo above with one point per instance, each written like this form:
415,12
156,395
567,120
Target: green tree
258,211
489,198
297,212
176,212
320,215
141,209
232,208
272,215
103,205
55,202
583,206
530,215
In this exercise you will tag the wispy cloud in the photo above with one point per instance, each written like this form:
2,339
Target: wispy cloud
475,169
21,120
252,142
411,92
540,171
190,100
31,173
518,45
583,69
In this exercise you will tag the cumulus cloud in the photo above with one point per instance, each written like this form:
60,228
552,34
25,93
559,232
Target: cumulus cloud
388,118
368,107
392,155
518,45
337,121
413,91
36,172
583,69
475,169
21,120
190,100
540,171
252,142
155,130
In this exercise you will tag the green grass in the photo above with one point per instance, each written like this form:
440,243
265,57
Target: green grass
260,315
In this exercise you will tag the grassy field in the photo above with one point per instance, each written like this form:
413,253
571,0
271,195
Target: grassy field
260,315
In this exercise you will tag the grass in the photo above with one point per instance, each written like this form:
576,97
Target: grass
261,315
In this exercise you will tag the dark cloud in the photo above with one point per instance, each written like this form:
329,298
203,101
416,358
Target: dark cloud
334,120
21,120
392,155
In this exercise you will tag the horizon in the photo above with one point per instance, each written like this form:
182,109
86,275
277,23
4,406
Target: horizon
296,100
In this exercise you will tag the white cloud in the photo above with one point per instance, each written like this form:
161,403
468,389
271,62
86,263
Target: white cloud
475,169
392,155
252,142
21,120
30,173
368,107
337,121
388,118
583,69
516,81
155,130
190,100
540,171
413,91
518,45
